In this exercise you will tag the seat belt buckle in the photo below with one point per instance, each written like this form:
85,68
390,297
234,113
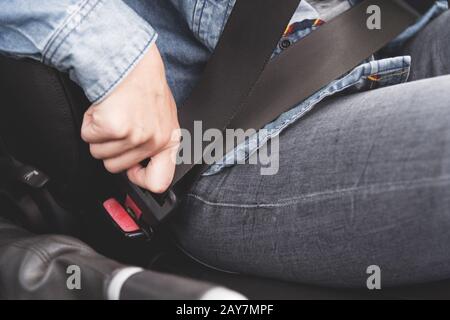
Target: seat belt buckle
125,220
139,213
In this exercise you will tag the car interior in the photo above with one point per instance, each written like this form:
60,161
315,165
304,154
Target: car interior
39,127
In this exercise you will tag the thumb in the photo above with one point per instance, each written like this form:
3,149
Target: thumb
158,175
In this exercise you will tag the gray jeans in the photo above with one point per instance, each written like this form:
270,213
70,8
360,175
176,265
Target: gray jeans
364,180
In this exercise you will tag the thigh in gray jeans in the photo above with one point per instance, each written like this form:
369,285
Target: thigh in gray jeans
364,180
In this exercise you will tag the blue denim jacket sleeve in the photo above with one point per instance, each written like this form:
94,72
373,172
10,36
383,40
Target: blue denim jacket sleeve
96,41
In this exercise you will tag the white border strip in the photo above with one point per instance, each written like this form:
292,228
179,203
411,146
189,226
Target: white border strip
220,294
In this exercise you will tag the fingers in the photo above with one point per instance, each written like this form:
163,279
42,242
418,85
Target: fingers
127,160
158,175
119,162
108,150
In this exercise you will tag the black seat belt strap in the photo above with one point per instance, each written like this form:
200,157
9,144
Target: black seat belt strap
328,53
244,49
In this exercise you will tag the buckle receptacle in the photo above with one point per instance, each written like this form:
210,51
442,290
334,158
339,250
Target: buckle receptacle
140,212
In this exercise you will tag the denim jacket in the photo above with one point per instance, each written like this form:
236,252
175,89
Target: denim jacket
96,41
99,41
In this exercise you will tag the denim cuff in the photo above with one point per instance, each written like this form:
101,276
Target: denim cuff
98,45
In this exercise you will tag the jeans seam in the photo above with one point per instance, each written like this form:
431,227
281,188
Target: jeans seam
373,189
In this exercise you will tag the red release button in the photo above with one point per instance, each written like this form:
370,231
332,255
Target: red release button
120,216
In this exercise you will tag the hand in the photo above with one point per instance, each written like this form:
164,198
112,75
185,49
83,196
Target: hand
138,121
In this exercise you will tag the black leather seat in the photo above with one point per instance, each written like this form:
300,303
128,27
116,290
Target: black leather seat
40,120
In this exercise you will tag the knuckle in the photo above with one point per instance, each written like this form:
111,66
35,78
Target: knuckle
176,135
94,152
113,126
84,136
138,137
112,167
162,139
118,130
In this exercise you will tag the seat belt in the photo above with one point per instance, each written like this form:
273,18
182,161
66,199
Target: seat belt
242,88
334,49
